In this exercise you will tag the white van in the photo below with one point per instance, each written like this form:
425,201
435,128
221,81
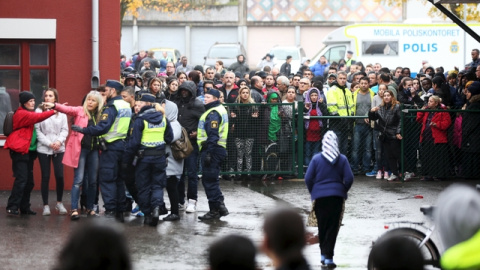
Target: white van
404,45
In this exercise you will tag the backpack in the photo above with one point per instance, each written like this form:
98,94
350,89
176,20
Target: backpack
8,123
182,147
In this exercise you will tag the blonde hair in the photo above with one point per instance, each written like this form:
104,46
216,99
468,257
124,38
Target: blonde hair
437,99
158,107
249,99
99,99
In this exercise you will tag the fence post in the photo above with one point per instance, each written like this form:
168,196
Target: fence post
402,159
300,140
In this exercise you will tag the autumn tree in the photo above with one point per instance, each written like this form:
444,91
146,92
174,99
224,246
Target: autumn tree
132,7
472,12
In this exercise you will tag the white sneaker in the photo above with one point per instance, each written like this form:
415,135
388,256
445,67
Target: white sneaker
61,209
385,175
392,177
409,176
181,207
192,206
379,175
46,210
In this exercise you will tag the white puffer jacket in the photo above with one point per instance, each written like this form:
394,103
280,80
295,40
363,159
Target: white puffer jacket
51,130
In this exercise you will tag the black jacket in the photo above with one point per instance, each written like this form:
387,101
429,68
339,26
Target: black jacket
388,117
190,109
471,126
404,98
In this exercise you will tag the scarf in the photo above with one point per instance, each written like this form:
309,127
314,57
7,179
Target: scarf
275,121
330,147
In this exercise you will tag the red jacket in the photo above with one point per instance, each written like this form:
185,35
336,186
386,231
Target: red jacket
443,121
23,124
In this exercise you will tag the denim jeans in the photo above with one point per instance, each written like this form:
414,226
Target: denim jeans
362,143
311,148
210,175
342,136
190,170
88,163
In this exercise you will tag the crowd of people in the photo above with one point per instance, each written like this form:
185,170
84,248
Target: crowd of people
361,103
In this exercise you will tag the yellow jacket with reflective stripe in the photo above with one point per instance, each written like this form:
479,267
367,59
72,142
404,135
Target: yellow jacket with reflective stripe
463,256
119,129
340,103
222,129
153,135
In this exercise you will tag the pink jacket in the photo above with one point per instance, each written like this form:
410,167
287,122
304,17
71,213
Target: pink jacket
74,141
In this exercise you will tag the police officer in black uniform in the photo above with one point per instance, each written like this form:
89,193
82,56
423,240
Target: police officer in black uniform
112,130
146,149
212,136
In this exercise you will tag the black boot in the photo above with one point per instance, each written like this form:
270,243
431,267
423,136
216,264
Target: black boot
171,217
212,214
119,216
147,219
163,210
222,209
155,215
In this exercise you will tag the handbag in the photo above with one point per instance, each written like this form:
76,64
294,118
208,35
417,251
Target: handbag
182,148
312,218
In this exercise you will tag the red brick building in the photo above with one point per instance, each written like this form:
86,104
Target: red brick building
51,43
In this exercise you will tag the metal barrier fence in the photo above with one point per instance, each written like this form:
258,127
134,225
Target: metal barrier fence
262,144
261,140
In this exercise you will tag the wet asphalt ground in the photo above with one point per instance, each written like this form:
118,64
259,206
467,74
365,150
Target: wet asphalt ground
33,242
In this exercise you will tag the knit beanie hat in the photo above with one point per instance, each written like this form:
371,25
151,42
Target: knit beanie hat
330,147
214,92
25,96
474,88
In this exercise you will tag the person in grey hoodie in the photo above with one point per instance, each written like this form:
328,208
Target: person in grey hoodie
174,166
457,217
51,136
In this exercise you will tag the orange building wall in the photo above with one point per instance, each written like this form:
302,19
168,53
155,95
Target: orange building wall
73,56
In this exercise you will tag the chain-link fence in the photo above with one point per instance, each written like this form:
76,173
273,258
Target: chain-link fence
261,140
270,140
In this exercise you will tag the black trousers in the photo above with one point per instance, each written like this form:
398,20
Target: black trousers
392,150
172,183
45,161
22,167
329,212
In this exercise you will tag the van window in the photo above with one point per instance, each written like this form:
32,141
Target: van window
335,54
220,52
380,48
282,53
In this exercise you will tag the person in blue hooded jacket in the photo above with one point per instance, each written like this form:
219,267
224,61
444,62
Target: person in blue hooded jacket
328,179
146,151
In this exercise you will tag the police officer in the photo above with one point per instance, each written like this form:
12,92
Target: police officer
112,130
212,141
146,151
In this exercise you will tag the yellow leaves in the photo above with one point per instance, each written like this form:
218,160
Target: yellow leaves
132,7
